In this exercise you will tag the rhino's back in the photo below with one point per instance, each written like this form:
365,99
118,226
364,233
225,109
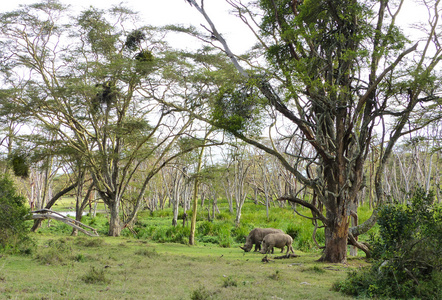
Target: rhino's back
260,233
278,239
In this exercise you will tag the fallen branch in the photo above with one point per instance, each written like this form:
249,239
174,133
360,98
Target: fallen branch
290,255
49,214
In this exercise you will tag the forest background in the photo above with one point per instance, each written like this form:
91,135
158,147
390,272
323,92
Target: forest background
98,106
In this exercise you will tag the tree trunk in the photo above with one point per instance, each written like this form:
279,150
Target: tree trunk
176,201
114,222
195,197
336,235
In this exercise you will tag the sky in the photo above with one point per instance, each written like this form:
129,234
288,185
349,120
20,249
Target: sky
162,12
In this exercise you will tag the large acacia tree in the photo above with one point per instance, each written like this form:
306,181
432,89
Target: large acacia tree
334,77
81,80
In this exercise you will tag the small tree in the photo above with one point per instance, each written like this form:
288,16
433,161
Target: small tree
13,213
408,261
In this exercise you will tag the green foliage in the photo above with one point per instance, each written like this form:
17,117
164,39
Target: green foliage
237,108
314,269
57,252
408,253
215,232
13,215
144,60
171,234
89,241
134,39
201,294
229,281
147,252
221,231
95,276
98,31
19,164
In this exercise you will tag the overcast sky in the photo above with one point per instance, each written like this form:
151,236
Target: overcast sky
162,12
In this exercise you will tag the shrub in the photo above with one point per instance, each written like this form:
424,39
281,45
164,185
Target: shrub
95,276
229,281
407,253
240,233
147,252
89,241
201,294
56,252
13,215
216,233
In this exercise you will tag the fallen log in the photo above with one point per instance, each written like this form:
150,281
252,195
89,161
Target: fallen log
42,214
290,255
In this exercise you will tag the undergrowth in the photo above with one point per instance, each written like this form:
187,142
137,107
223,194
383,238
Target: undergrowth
220,230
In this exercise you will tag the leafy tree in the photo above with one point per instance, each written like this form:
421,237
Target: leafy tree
407,255
333,71
89,84
13,214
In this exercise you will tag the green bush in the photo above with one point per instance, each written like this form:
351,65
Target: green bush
56,252
13,214
407,254
147,252
218,232
95,276
201,294
229,281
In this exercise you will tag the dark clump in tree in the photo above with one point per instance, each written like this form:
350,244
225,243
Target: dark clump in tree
19,165
107,94
236,108
143,62
134,40
407,253
13,214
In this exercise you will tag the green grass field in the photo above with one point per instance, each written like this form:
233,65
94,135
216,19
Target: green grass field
153,261
124,268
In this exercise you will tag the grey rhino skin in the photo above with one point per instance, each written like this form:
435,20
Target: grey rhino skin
256,236
278,240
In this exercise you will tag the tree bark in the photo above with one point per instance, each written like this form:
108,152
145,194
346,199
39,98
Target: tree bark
114,220
195,196
336,236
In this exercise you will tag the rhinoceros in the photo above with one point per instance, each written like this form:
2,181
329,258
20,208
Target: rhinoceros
256,236
278,240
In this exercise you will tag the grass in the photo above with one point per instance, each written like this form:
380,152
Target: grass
126,268
152,260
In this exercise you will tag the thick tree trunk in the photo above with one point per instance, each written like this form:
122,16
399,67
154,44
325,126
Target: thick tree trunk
336,236
114,222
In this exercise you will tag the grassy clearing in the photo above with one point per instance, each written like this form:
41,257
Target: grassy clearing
152,260
125,268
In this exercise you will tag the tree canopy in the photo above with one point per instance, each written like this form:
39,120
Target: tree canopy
336,77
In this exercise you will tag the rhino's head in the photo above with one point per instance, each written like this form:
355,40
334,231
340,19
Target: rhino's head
246,247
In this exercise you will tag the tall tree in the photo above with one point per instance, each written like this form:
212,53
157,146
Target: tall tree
82,82
333,71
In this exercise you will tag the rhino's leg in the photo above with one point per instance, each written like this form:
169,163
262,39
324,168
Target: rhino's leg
289,248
